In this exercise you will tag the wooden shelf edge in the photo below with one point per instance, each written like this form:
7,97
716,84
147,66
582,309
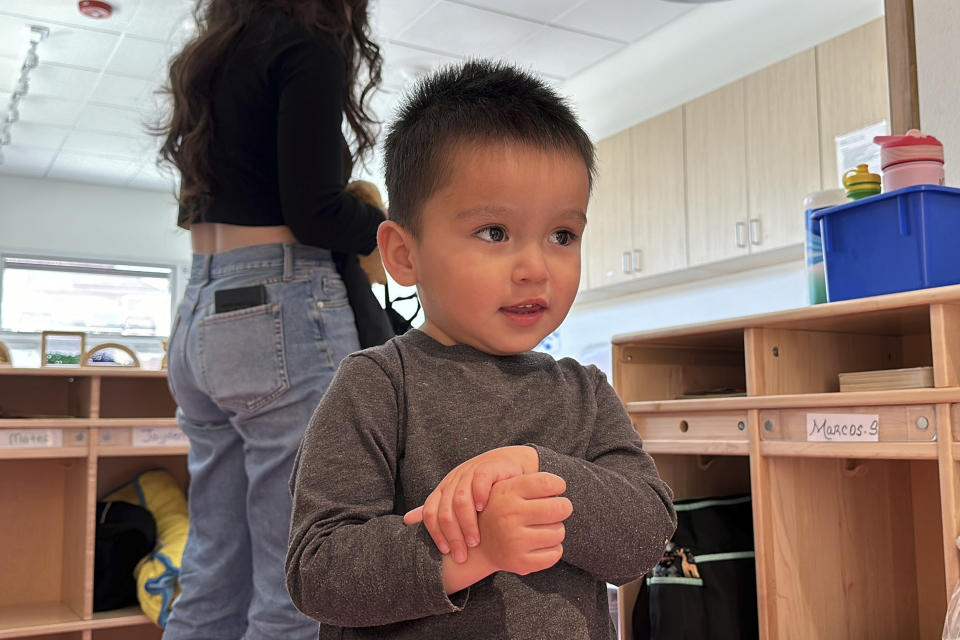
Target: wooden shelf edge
701,447
871,450
126,617
51,453
955,446
129,451
84,372
24,621
800,401
917,298
68,423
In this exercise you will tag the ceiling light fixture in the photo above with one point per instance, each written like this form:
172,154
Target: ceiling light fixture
37,35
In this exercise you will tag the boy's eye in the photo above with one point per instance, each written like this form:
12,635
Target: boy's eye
492,234
563,237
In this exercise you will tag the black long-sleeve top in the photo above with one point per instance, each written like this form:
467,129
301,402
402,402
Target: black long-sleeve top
278,149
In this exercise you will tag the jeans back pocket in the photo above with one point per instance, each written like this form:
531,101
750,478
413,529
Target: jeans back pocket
241,357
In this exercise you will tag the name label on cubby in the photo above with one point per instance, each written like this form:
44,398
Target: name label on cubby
157,437
30,438
843,427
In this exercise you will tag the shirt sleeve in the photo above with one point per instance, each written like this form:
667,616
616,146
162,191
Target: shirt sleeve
351,562
311,74
622,510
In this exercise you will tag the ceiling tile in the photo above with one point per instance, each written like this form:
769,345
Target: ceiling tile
64,11
9,74
389,17
138,147
51,111
140,58
561,53
465,31
38,136
121,91
169,20
14,38
539,10
77,47
150,178
625,20
83,167
25,161
57,81
111,120
402,63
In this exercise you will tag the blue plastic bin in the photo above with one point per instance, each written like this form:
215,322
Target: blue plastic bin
897,241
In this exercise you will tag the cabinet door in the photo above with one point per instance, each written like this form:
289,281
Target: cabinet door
783,150
609,213
716,175
659,202
853,89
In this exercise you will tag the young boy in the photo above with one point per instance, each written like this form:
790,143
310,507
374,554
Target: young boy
426,494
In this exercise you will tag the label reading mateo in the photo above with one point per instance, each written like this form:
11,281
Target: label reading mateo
157,437
30,438
842,427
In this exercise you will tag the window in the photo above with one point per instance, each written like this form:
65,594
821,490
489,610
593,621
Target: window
43,294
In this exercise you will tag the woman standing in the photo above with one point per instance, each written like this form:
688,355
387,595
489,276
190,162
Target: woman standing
258,100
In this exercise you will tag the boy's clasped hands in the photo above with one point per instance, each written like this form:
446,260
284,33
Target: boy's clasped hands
500,506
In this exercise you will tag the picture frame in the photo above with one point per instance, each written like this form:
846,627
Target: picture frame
62,348
108,354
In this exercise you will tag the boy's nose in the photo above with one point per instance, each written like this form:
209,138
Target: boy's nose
531,266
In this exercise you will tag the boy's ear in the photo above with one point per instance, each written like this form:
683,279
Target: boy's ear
396,251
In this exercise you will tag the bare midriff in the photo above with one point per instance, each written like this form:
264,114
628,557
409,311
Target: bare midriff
217,237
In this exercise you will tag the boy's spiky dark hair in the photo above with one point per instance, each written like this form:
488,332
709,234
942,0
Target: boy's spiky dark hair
475,102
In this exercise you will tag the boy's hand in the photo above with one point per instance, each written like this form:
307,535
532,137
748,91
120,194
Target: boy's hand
522,527
450,511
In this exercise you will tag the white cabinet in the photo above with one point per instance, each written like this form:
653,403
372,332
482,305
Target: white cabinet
609,214
716,176
783,151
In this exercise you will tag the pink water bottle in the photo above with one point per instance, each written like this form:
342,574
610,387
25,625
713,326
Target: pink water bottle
910,160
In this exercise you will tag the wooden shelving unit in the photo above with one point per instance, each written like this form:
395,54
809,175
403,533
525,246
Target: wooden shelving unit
853,539
79,433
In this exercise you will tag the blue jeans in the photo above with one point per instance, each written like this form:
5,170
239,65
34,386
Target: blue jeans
246,383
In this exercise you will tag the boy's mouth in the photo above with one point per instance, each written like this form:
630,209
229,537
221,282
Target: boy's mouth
525,313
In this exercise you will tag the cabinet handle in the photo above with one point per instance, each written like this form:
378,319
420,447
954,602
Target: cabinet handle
625,262
754,230
637,260
741,230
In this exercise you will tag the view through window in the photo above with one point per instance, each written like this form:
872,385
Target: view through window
45,294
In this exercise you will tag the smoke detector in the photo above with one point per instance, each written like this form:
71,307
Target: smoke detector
96,9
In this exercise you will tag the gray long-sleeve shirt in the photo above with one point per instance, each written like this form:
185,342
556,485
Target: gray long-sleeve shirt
396,419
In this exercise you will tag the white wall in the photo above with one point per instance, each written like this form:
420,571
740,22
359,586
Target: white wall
53,217
586,333
937,29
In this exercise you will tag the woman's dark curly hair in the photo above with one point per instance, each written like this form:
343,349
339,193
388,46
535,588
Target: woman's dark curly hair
187,132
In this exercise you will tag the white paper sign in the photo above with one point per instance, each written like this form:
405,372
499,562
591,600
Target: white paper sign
30,438
858,147
843,427
157,437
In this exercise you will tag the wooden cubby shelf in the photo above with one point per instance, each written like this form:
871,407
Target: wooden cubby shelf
854,535
69,435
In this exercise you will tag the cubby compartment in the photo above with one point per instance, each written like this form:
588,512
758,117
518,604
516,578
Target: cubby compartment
689,476
852,549
807,355
680,366
114,472
136,396
40,393
44,532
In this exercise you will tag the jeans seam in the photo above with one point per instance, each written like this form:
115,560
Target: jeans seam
281,363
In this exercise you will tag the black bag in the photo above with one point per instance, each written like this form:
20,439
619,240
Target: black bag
125,534
373,324
705,586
